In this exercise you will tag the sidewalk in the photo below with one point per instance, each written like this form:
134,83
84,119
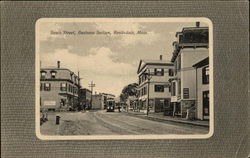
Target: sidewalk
160,117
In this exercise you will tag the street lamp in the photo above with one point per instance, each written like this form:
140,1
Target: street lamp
149,76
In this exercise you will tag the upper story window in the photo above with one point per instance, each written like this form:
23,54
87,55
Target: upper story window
53,74
41,86
159,72
63,86
47,86
170,72
205,75
159,88
43,74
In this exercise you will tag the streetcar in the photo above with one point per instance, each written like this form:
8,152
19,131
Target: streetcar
110,105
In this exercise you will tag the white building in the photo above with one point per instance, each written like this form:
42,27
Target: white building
190,48
202,89
158,86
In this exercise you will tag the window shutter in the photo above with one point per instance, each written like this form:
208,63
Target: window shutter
162,72
155,71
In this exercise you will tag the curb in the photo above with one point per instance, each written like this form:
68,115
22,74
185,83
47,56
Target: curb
166,120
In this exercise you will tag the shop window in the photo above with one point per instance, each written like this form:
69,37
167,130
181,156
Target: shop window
205,75
159,72
159,88
47,86
63,86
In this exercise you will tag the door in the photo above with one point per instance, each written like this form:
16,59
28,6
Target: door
205,105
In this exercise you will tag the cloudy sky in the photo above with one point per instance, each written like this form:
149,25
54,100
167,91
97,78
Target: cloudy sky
110,60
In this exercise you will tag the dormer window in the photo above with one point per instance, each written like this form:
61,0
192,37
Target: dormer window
43,74
53,74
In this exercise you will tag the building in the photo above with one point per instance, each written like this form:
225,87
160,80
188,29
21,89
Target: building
84,98
154,84
132,102
97,102
106,97
58,88
202,89
191,47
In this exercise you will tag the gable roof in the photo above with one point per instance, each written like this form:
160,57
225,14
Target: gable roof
143,63
202,63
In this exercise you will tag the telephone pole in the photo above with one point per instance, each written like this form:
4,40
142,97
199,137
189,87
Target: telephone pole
91,85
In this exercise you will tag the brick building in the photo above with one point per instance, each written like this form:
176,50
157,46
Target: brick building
84,98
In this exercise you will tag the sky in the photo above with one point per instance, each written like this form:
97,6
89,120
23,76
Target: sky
109,60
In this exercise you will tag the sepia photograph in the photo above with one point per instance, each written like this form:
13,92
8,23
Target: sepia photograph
124,78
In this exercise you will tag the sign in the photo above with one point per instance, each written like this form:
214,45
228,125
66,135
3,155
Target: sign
185,93
49,103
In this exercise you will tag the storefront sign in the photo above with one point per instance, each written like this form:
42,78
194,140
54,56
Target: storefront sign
49,103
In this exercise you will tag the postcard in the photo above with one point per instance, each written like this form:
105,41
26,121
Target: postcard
124,78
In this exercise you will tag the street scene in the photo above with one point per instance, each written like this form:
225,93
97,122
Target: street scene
124,78
102,123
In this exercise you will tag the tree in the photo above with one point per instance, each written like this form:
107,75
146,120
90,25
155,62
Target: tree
129,90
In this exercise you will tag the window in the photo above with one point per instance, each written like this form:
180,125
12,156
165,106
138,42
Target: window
63,86
41,86
170,72
173,87
159,88
205,75
53,74
159,72
43,74
47,86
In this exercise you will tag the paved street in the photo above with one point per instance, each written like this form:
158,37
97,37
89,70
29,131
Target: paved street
112,123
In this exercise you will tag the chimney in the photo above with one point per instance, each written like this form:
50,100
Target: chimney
160,57
197,24
58,64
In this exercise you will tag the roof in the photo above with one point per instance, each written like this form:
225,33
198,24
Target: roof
55,68
202,63
143,63
84,89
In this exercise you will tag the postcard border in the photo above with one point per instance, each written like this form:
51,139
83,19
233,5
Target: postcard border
122,137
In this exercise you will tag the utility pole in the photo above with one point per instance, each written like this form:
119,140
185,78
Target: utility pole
148,77
91,85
